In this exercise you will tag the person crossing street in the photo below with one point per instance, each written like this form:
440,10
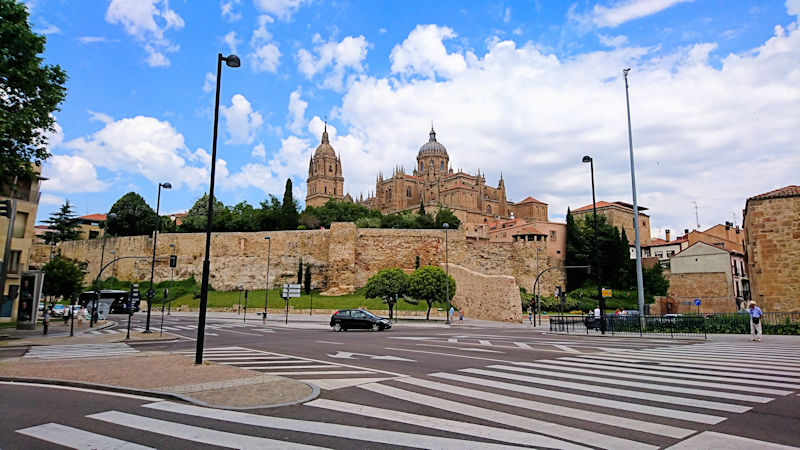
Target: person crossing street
755,321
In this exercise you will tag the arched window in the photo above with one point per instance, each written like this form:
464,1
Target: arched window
430,164
388,194
330,168
334,191
488,209
441,166
421,166
408,192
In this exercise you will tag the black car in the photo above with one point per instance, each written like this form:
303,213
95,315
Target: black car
352,319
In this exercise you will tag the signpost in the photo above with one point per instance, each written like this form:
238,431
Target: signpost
697,303
289,291
244,319
607,293
133,295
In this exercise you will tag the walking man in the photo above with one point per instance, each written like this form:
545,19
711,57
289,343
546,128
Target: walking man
46,319
530,314
755,321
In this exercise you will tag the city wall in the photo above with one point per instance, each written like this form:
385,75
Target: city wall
341,258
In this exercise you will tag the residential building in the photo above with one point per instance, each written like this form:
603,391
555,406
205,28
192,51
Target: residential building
89,226
620,214
553,234
713,275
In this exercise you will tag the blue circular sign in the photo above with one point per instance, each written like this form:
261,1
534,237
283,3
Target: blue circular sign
697,302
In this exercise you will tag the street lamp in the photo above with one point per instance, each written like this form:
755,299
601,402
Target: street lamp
447,272
151,292
171,277
601,299
230,61
639,280
92,317
266,294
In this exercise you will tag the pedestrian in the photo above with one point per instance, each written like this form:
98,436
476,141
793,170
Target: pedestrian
67,313
597,318
450,314
81,314
46,319
461,316
618,312
755,321
530,314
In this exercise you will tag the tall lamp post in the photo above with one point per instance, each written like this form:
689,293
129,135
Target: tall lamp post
639,280
93,316
601,299
230,61
447,272
151,292
171,278
266,293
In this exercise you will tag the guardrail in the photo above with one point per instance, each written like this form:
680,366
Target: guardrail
688,325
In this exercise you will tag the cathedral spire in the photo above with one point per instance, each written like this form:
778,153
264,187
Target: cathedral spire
325,134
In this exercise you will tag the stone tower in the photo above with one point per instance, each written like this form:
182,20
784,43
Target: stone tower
325,180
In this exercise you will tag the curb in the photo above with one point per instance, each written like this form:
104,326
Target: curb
153,393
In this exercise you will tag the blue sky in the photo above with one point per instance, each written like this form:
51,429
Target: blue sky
522,88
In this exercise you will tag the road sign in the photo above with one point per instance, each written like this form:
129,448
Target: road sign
292,286
607,293
290,290
697,302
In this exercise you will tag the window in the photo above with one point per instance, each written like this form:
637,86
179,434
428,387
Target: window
330,168
13,261
388,194
334,191
441,166
20,223
326,191
659,254
670,253
408,192
93,234
421,166
488,209
430,164
552,235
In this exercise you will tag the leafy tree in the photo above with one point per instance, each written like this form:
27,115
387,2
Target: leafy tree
339,211
31,92
270,214
428,283
63,277
63,225
614,260
168,225
446,216
243,217
300,271
387,285
197,216
308,220
307,279
289,212
575,253
654,281
134,216
421,210
368,222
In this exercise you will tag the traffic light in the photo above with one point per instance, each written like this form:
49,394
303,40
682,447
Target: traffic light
173,260
5,208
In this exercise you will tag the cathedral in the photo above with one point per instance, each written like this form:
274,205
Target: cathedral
432,183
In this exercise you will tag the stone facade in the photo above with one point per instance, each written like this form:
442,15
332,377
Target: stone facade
772,241
325,180
489,297
712,288
342,258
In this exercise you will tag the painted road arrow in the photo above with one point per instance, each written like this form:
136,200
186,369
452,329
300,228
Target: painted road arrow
350,355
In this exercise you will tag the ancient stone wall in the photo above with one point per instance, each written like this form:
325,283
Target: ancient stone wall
488,297
712,288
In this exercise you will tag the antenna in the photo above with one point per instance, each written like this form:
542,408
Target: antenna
696,216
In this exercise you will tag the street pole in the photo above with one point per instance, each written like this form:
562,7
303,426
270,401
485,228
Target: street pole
600,299
130,312
639,279
151,292
447,273
230,61
266,293
72,315
244,319
171,279
161,330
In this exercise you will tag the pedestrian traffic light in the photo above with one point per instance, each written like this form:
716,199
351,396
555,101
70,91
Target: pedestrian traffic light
173,260
5,208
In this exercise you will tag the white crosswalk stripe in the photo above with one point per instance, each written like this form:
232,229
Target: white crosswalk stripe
71,437
79,351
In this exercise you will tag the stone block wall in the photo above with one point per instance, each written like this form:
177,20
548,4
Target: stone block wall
712,288
487,297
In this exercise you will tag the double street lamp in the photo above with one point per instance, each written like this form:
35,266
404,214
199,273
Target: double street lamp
151,292
601,299
230,61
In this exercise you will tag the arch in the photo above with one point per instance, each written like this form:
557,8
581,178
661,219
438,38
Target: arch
488,209
430,164
330,168
408,192
421,166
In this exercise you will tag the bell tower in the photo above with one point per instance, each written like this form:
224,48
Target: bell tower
325,180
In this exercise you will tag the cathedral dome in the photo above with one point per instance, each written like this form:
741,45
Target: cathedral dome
432,147
324,148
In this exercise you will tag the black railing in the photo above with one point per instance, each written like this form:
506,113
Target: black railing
675,325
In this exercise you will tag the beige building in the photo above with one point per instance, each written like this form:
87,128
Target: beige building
772,243
26,195
325,180
620,214
712,274
89,226
552,235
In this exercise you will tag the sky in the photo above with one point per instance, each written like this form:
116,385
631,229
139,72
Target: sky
522,89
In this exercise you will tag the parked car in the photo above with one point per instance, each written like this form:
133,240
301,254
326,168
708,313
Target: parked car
352,319
59,310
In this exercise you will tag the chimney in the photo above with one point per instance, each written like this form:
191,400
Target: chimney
685,231
667,233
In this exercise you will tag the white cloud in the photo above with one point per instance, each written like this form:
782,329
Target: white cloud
50,199
507,15
612,41
333,58
69,174
700,131
210,82
623,11
146,22
231,40
48,28
297,111
141,145
227,11
259,152
94,39
282,9
100,117
423,53
265,56
793,7
241,121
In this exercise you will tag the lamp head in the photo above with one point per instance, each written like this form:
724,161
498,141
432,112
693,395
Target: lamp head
232,61
587,158
266,237
445,225
111,216
166,185
625,71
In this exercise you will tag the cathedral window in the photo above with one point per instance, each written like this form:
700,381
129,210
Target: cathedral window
441,166
388,194
421,166
488,209
430,164
408,192
330,168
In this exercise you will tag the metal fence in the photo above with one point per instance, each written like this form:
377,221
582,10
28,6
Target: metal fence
671,325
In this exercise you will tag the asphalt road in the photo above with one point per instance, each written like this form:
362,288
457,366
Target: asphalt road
431,386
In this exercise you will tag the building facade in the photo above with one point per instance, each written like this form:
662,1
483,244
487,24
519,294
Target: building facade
620,214
712,274
772,246
325,180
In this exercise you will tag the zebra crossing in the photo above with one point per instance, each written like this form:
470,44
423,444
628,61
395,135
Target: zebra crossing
211,328
75,351
608,400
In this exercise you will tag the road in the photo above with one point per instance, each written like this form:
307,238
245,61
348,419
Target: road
448,387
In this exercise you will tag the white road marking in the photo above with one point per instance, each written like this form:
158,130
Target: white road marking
702,359
714,440
549,408
322,428
483,342
607,403
71,437
523,345
567,349
331,384
463,349
698,363
351,355
329,342
194,434
452,426
324,372
525,423
309,366
77,389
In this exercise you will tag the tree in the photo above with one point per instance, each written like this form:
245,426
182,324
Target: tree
654,281
197,217
339,211
300,271
387,285
269,216
289,208
31,92
307,279
134,216
62,277
446,216
421,210
428,283
576,254
242,217
63,225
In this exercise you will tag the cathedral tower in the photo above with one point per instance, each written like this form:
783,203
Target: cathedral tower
325,180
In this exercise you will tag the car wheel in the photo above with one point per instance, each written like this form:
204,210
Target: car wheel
337,326
376,327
